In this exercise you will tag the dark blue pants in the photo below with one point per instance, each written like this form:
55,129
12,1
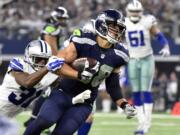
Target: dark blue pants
58,109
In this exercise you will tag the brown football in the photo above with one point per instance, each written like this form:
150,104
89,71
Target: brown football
79,63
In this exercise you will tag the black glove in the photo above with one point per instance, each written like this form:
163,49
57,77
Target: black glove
87,73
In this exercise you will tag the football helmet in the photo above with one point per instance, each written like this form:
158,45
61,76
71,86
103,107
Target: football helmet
37,53
110,25
60,15
134,11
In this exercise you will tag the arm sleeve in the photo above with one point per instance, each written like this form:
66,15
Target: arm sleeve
113,87
15,65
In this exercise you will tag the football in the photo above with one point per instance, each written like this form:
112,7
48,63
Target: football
79,63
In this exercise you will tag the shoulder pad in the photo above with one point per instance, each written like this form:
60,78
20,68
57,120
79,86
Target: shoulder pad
50,29
77,32
121,51
151,19
16,65
84,38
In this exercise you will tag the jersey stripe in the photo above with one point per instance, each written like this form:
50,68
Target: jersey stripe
45,46
83,40
16,65
41,45
122,54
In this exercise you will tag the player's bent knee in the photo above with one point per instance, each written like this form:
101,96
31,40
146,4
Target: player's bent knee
43,123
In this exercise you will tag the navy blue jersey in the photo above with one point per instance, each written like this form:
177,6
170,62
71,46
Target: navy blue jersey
111,58
52,29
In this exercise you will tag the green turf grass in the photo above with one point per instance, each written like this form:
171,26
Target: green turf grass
117,124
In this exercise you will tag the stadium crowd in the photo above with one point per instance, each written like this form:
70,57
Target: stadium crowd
26,16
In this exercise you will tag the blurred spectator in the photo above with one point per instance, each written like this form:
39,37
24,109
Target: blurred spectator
171,90
27,15
159,86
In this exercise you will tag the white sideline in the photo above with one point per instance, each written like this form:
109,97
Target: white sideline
156,116
113,115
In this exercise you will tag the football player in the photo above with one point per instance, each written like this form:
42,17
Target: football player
52,32
140,28
53,29
103,47
23,82
28,77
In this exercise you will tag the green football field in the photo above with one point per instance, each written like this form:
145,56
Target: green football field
117,124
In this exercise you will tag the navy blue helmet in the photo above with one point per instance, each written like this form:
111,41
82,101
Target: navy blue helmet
60,15
110,25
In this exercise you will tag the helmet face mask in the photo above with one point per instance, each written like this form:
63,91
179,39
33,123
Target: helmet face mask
39,62
37,54
134,11
110,25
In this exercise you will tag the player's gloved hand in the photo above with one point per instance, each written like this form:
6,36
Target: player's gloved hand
165,51
86,75
129,110
81,97
54,63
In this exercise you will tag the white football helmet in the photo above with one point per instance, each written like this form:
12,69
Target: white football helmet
37,53
134,11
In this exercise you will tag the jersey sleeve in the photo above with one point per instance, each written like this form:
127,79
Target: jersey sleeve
151,20
16,65
48,79
123,55
82,41
51,30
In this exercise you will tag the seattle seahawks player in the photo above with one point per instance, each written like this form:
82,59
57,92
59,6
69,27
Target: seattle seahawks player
52,31
140,28
23,82
103,47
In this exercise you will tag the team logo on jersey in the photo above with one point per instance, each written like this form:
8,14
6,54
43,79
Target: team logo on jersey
103,56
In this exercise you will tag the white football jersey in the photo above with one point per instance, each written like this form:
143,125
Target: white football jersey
15,98
138,36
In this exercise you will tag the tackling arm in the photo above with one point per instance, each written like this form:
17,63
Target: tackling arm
29,80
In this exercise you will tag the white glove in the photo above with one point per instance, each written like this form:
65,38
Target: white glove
81,97
130,111
54,63
165,51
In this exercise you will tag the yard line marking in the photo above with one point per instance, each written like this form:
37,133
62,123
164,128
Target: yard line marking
170,124
114,115
156,116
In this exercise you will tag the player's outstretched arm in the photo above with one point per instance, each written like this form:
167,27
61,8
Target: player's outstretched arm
29,80
165,51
